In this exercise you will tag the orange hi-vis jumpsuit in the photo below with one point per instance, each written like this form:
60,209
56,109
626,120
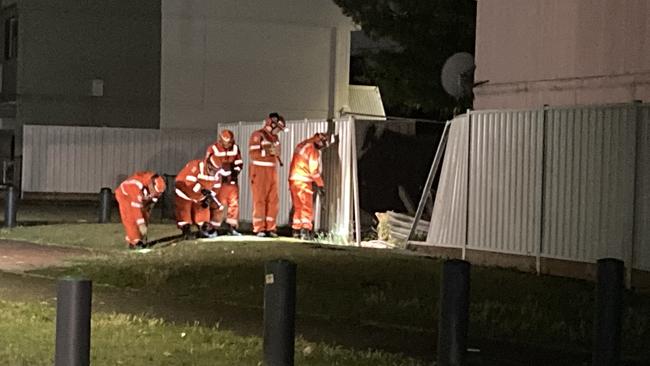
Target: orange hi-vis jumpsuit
264,180
305,169
134,200
231,163
190,181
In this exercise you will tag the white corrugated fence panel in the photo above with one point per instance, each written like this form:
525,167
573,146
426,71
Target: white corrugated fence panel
69,159
572,182
297,132
642,197
448,221
339,166
505,181
589,183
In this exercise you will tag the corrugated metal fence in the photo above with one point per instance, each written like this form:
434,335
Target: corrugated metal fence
567,183
66,159
336,175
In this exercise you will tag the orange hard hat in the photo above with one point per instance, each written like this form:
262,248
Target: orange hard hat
159,184
226,136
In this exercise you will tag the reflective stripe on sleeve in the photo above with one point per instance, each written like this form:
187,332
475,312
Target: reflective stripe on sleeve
182,195
136,182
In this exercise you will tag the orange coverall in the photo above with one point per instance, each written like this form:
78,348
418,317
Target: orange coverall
264,180
305,169
189,200
230,161
134,200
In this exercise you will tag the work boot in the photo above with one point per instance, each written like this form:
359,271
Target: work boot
295,234
272,234
207,231
305,234
208,234
137,246
233,231
261,234
187,232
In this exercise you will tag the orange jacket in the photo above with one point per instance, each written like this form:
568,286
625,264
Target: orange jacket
135,190
228,160
305,164
258,146
192,179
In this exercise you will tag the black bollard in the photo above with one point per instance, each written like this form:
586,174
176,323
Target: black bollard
11,206
73,322
609,312
105,203
454,313
279,312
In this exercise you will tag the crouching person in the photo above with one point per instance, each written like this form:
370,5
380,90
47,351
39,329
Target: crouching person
196,190
305,179
225,154
136,197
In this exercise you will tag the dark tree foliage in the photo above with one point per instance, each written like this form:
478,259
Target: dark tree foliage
428,32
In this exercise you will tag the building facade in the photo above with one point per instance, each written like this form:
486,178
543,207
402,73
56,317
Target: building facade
561,52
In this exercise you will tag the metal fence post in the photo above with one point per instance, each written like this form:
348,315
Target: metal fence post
279,312
11,206
105,203
609,312
454,313
73,322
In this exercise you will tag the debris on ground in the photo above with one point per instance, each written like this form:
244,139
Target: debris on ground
394,227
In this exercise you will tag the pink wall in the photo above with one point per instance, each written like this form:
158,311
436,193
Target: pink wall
562,52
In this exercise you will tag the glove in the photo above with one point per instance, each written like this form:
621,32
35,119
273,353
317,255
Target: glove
320,191
142,228
234,175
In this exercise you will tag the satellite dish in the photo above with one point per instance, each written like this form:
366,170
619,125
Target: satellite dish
458,75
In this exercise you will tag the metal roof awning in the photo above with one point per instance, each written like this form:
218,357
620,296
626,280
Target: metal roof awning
365,102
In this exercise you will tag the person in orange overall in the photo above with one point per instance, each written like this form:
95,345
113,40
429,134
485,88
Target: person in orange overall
226,155
136,197
305,178
264,153
196,189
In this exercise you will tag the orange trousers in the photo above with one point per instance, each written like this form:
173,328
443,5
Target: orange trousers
303,205
130,216
264,184
228,195
189,212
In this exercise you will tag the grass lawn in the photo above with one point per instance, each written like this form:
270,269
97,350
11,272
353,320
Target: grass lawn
350,286
27,338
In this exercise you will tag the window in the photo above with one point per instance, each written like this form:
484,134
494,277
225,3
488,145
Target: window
11,38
